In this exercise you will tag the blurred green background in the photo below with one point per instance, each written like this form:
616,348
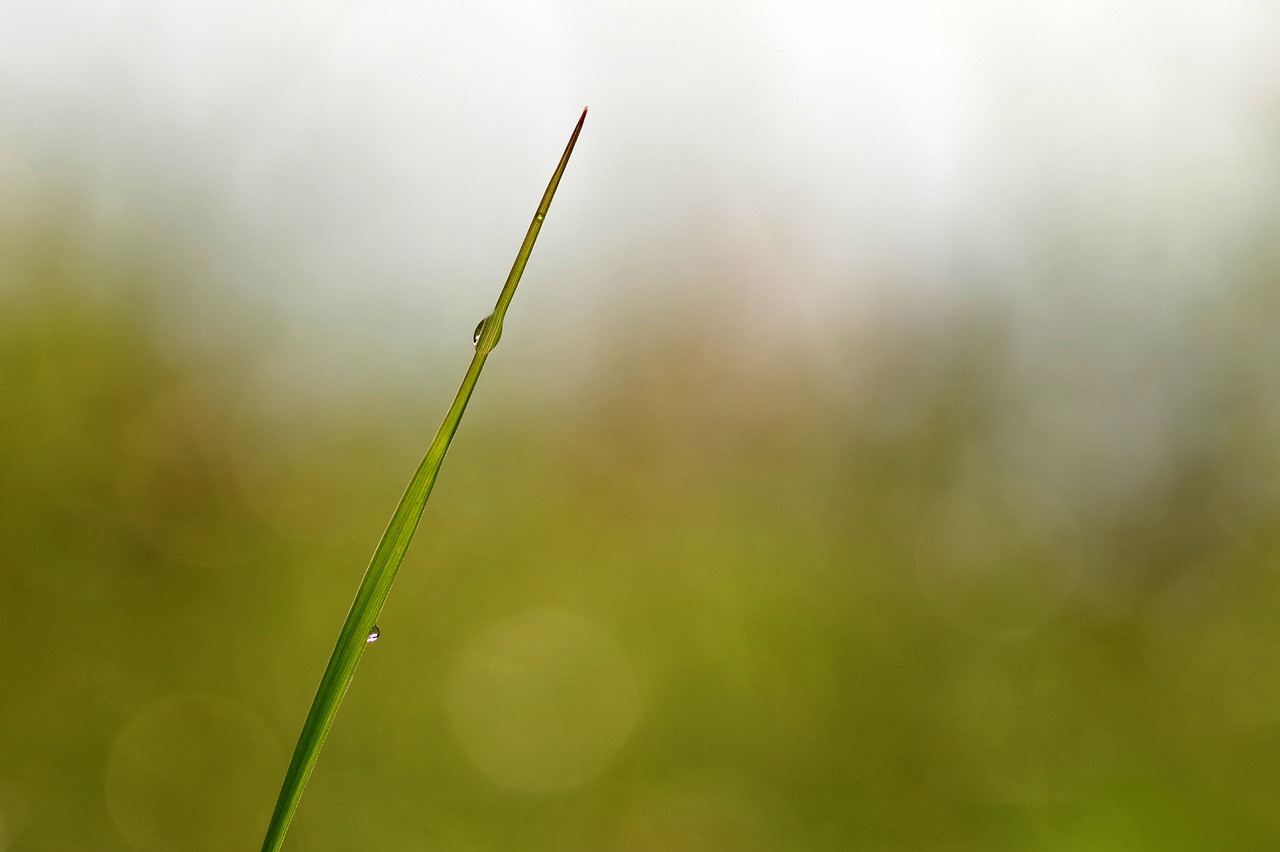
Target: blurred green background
883,451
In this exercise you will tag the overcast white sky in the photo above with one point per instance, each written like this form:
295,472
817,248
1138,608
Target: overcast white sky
377,162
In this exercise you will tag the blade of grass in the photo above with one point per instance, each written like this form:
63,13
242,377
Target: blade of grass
395,542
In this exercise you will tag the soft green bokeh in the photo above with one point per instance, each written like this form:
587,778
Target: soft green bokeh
718,595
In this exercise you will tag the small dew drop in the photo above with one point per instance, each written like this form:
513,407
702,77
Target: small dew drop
475,338
373,634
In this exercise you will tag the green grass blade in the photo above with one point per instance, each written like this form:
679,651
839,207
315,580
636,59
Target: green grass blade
395,542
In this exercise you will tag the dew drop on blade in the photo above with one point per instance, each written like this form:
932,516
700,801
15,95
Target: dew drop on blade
373,634
475,338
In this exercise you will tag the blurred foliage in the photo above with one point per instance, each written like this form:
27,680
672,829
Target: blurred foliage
723,595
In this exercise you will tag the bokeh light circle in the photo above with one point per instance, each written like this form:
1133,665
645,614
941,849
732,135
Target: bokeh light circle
542,701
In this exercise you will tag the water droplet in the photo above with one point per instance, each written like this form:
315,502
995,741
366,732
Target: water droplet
475,338
374,634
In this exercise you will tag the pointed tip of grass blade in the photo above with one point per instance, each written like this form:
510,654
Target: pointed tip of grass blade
493,329
572,140
573,137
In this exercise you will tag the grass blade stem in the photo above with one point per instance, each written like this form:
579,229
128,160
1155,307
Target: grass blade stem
391,550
